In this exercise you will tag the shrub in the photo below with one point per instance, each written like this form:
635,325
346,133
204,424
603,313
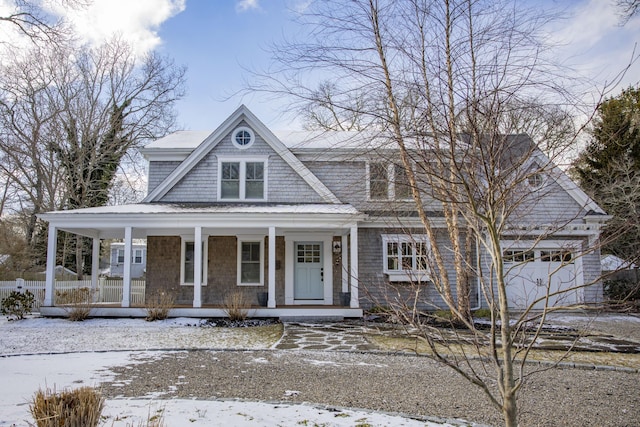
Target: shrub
70,408
442,315
621,290
379,309
17,304
236,305
158,306
483,313
77,303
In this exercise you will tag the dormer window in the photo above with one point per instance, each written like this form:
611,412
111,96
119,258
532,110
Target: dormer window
242,137
242,178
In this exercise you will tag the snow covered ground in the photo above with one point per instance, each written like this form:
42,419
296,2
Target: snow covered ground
58,354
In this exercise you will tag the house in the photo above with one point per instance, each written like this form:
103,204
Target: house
138,260
304,224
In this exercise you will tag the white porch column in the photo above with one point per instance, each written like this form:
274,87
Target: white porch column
345,263
197,268
355,303
271,302
95,263
52,241
126,275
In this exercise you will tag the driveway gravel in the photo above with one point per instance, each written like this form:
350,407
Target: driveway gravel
383,382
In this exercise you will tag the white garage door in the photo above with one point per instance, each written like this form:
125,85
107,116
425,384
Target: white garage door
531,274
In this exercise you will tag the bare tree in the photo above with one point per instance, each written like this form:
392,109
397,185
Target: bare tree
70,116
451,87
627,9
31,19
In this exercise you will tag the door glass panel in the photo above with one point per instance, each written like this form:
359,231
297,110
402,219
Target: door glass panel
309,253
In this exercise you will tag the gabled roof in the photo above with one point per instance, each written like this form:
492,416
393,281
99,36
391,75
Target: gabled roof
562,179
242,113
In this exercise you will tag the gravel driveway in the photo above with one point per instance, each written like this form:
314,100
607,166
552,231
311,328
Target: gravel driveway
394,383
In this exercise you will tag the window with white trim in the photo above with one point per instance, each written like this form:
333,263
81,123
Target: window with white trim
187,262
120,256
242,179
242,137
378,181
405,257
137,256
387,181
250,261
401,187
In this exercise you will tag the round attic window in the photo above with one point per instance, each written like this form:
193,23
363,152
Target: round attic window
535,180
242,137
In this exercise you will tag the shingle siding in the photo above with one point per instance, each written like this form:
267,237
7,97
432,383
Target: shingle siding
347,180
549,205
158,171
284,185
375,289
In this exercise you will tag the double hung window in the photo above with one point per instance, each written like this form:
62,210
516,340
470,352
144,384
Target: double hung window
188,264
250,261
242,179
388,181
137,256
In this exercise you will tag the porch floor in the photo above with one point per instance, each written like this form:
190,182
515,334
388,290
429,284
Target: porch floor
284,312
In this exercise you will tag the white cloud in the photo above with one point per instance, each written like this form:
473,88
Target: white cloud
590,22
136,22
245,5
595,44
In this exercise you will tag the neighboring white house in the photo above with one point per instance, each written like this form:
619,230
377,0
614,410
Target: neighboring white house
317,224
138,259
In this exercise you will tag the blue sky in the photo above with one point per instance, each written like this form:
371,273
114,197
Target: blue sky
219,39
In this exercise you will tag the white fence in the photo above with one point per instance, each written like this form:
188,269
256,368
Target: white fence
109,291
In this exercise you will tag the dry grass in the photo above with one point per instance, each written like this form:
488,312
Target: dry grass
158,306
70,408
76,302
413,345
236,305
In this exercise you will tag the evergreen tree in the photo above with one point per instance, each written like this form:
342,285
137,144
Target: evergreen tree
609,170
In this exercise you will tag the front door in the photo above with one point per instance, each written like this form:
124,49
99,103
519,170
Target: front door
309,273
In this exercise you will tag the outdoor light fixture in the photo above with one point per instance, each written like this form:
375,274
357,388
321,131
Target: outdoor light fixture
337,247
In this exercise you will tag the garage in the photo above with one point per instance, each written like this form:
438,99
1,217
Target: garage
533,272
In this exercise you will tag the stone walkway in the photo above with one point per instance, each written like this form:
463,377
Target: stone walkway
352,336
329,336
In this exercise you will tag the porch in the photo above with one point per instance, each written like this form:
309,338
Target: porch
301,257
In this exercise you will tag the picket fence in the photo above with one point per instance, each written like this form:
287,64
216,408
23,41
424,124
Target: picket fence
109,291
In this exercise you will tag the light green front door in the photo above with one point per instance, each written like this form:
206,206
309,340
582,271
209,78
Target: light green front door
309,273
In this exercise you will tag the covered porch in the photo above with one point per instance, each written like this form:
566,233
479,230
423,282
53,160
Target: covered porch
302,259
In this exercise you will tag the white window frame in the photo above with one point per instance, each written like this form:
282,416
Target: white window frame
205,258
391,182
135,252
250,239
413,275
236,131
243,176
118,257
368,180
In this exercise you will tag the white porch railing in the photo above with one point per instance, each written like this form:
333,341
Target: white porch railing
109,291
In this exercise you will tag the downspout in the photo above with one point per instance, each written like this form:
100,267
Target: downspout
479,284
